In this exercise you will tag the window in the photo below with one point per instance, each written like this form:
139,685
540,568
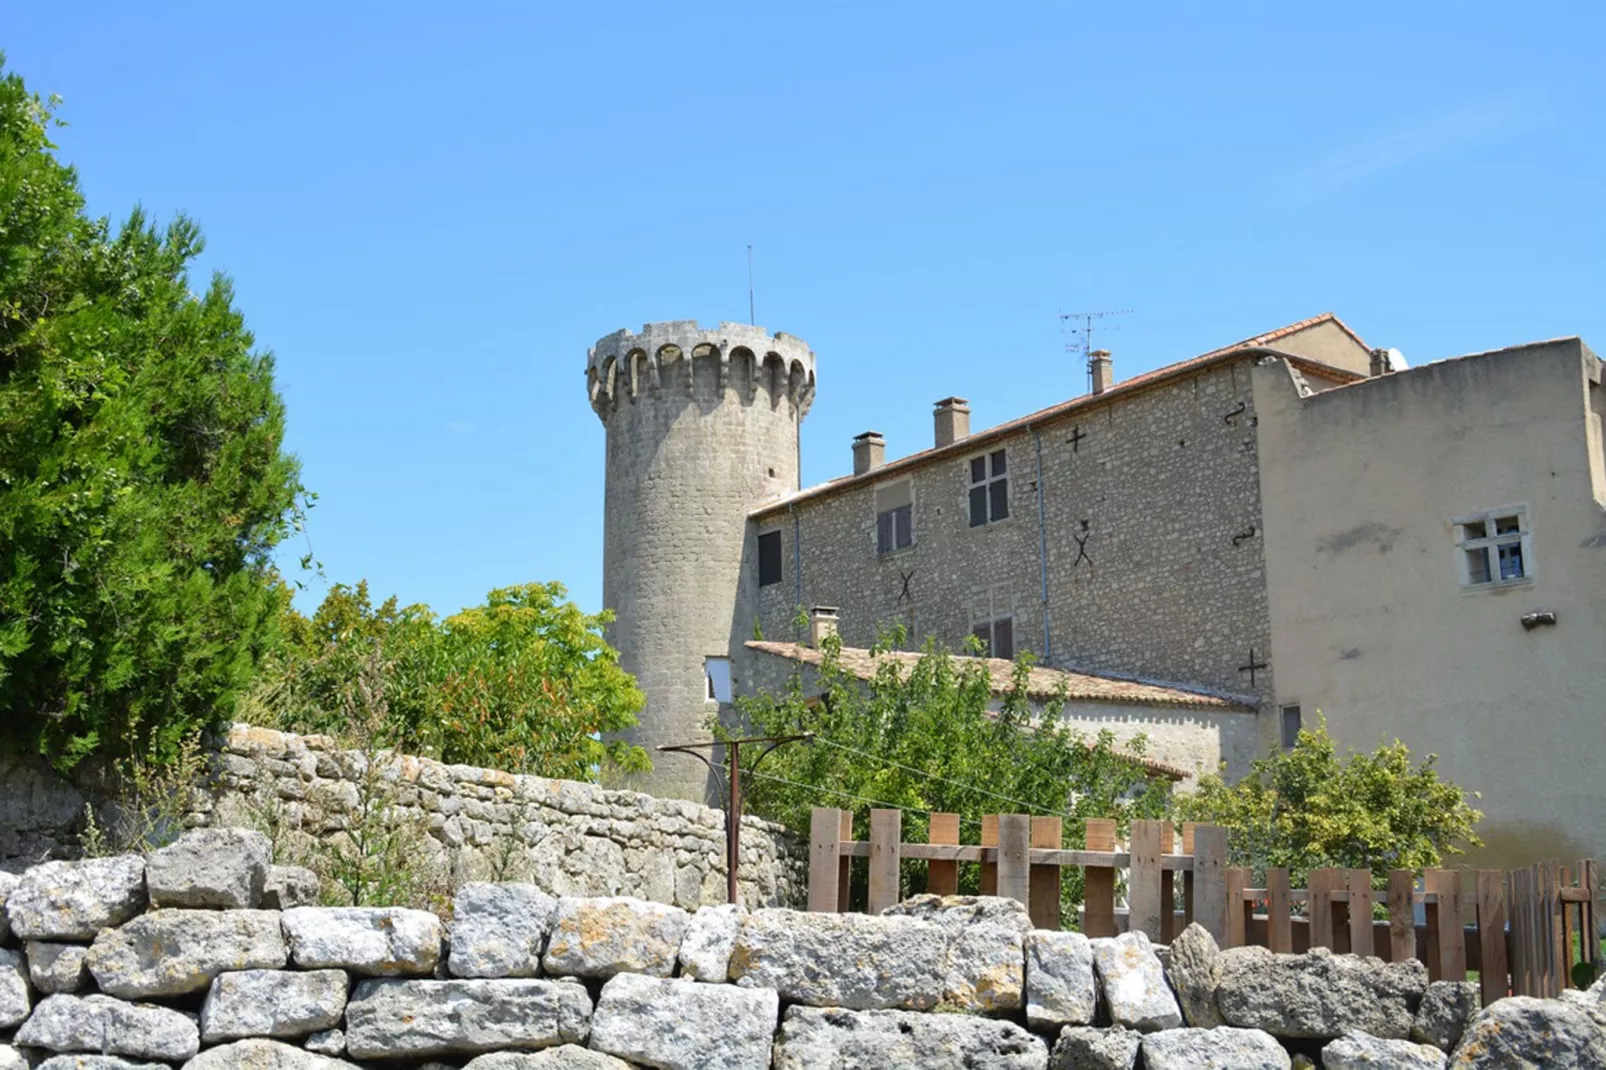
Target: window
894,517
989,489
1292,722
717,671
1495,547
992,620
769,558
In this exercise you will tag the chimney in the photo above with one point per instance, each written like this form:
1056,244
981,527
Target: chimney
953,421
1382,364
822,622
869,452
1100,371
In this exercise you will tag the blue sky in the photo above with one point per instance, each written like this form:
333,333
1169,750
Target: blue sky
430,211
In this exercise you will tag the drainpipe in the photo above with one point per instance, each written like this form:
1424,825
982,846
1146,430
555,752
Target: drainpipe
797,553
1042,550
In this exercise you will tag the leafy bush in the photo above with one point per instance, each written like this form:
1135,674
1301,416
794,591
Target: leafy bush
1306,808
142,480
524,682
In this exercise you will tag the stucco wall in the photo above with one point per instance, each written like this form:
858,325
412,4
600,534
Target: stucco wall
1371,623
1151,524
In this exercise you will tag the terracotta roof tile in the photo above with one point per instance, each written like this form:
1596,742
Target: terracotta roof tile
1117,392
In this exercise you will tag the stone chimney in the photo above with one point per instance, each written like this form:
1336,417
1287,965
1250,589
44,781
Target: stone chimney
822,622
869,452
1382,363
953,421
1100,370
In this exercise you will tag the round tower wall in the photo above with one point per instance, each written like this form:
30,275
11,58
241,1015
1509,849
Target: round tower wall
701,426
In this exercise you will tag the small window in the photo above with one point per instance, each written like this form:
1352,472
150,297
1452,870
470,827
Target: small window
1495,547
992,620
769,558
717,672
997,638
895,517
989,488
1292,722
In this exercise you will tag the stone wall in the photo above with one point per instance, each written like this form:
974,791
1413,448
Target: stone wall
568,837
202,955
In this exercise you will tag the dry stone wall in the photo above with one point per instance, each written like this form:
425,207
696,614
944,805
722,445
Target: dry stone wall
566,837
519,980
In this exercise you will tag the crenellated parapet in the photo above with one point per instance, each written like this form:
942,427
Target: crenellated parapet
680,357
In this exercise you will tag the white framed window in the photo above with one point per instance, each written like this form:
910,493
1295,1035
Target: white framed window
992,620
894,517
717,673
989,488
1495,547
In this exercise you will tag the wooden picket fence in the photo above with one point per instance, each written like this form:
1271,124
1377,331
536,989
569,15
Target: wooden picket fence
1522,931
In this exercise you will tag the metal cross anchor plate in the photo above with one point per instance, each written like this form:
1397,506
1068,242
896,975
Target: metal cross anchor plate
1253,667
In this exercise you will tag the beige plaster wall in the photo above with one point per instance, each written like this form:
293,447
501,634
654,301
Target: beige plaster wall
1370,621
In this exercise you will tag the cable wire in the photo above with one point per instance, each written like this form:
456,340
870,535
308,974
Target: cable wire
931,776
857,798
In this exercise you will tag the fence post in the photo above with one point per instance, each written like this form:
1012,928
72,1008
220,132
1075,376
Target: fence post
1014,858
989,870
1491,935
1360,912
1279,915
1098,882
1322,883
1402,916
1586,917
1210,879
1552,901
1047,832
1143,880
886,850
844,876
1237,922
1452,949
1168,889
942,878
1187,874
825,845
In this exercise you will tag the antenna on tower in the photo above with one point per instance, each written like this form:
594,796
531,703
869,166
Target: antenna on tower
1084,345
752,315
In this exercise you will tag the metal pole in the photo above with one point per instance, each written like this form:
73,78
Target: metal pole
733,824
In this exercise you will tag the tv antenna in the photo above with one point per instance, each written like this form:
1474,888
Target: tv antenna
1083,323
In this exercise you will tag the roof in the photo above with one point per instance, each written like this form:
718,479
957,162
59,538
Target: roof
1041,682
1119,391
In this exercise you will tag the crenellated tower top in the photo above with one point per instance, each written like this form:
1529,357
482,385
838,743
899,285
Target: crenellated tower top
624,367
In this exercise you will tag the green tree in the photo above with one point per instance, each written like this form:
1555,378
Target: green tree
142,479
525,682
923,738
1307,807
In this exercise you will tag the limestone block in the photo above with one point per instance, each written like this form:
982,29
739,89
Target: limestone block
8,884
1592,1001
57,968
272,1003
284,887
499,930
705,950
259,1053
326,1042
1191,968
1134,984
75,900
174,952
110,1027
1318,994
678,1024
11,1058
1520,1031
415,1019
964,910
1222,1048
16,1000
88,1062
1359,1051
1446,1008
210,868
876,963
371,941
815,1038
1082,1047
604,936
563,1057
1061,989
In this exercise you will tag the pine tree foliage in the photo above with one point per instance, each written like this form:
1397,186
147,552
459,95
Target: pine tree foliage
143,482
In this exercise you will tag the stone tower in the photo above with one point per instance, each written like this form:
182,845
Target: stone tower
702,425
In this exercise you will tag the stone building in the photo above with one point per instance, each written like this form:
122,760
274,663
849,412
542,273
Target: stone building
1184,528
